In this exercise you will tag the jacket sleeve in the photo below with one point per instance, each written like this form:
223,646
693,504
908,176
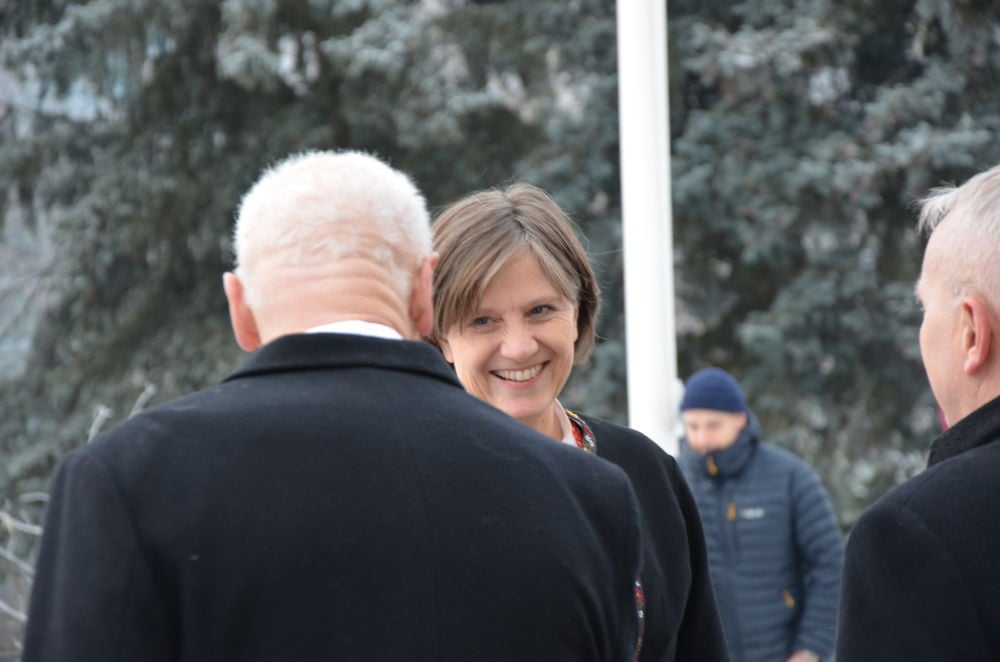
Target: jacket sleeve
700,636
93,598
820,548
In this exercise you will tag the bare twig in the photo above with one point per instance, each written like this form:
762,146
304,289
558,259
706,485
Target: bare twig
40,280
13,612
25,568
101,415
148,391
13,104
14,524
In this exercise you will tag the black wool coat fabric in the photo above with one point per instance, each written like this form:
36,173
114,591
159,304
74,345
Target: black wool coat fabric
922,574
337,498
682,619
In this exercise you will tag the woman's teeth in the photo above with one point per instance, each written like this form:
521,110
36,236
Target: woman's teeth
518,375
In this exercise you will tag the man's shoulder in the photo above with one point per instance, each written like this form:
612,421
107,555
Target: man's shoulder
474,428
779,458
778,454
563,451
143,435
968,479
894,511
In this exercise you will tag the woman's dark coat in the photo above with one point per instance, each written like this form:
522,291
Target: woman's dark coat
682,619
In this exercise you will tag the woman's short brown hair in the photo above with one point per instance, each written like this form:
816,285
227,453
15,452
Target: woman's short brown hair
477,235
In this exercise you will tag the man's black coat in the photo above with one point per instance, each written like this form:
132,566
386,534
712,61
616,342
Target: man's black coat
922,573
338,498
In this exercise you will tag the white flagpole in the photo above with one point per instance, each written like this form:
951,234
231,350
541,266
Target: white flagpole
644,130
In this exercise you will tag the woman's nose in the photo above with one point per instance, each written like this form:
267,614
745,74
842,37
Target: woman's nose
518,343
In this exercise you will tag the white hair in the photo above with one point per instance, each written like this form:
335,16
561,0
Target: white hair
972,247
317,206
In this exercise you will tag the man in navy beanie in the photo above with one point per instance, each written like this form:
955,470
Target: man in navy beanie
774,549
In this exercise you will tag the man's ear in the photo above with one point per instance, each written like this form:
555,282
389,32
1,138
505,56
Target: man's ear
240,316
977,333
422,296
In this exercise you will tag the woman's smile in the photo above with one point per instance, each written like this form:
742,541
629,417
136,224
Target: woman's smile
520,375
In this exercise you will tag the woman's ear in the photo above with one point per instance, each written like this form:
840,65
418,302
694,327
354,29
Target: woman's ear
240,315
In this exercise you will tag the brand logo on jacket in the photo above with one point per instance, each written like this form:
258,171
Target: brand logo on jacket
752,513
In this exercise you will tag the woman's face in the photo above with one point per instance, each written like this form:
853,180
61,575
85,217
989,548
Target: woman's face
516,349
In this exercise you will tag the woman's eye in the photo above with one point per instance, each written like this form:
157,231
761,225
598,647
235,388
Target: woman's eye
541,310
480,321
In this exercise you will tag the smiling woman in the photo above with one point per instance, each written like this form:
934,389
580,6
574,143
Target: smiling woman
516,303
516,349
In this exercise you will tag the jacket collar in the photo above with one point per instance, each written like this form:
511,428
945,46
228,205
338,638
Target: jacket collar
319,351
980,427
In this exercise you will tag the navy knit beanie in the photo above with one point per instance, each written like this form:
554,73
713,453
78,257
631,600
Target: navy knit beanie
713,388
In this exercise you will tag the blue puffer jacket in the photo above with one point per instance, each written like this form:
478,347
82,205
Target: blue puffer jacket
774,549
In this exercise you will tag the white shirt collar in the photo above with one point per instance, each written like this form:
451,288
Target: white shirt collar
567,428
359,328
